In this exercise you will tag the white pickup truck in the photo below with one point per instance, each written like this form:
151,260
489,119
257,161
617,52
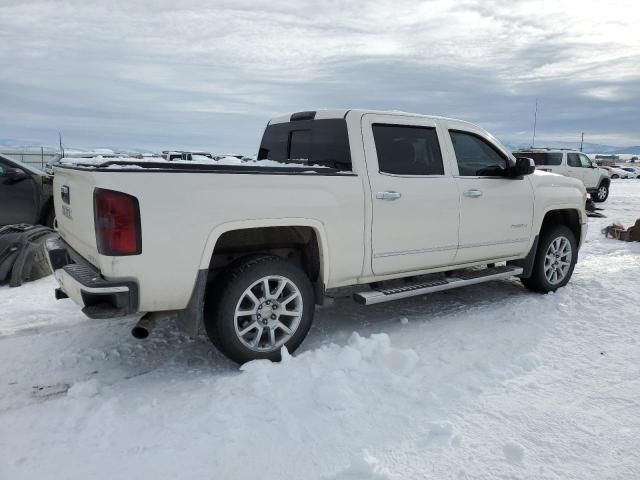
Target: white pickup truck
391,204
572,163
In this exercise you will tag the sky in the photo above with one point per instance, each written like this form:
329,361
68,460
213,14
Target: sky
209,74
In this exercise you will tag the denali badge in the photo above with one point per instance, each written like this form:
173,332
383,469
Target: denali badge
65,194
66,211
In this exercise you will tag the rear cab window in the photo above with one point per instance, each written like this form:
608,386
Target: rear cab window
323,142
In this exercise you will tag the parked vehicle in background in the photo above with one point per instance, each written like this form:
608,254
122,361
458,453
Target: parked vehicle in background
392,204
571,163
26,194
231,155
171,156
616,172
633,171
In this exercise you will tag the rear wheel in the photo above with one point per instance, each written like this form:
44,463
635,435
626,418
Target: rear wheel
259,305
602,193
555,260
615,175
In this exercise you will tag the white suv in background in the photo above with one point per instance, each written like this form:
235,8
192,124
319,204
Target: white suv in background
571,163
634,172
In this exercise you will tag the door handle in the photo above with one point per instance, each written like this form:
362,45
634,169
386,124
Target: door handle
388,195
473,193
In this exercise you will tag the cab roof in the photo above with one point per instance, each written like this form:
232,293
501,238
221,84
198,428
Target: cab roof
323,114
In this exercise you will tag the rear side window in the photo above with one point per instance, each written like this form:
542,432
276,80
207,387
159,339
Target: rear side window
407,150
476,157
316,142
542,158
573,160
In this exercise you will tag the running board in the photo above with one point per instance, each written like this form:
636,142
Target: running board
453,279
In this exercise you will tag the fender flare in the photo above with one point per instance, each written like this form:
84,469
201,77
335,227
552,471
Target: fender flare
317,226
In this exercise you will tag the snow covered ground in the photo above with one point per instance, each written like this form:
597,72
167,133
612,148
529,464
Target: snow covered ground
490,381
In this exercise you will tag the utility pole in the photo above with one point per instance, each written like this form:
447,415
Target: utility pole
581,141
61,147
535,121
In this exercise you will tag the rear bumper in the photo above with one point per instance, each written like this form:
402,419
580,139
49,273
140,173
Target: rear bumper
83,283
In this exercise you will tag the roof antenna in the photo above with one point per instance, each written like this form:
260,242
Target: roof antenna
61,147
535,121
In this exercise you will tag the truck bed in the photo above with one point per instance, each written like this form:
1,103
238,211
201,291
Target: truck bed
184,209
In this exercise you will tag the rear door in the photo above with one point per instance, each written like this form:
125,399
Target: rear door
414,196
496,211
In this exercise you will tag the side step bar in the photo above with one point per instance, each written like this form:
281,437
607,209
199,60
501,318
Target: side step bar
453,279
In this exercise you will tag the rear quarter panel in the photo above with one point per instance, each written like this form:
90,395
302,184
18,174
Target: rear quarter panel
183,214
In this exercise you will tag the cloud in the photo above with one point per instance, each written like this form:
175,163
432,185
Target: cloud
190,74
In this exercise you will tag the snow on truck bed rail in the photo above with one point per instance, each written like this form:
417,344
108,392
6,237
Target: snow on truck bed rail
134,162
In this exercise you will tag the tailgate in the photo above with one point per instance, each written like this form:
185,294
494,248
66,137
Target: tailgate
73,200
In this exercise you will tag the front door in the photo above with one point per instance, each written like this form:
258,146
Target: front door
414,195
496,211
591,175
574,166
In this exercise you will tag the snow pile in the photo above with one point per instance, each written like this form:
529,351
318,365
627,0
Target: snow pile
332,377
362,467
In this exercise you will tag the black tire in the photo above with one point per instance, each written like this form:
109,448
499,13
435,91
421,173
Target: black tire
224,295
598,196
615,175
538,282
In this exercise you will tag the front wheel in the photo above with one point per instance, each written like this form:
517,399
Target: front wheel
615,175
257,306
555,260
602,193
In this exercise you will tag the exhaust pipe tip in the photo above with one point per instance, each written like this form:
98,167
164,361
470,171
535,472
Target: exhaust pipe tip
139,332
143,328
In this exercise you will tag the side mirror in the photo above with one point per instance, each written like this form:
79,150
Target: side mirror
523,166
14,175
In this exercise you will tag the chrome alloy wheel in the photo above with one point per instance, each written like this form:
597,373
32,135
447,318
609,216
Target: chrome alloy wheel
602,192
557,260
268,313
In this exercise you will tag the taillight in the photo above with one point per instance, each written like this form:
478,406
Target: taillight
117,219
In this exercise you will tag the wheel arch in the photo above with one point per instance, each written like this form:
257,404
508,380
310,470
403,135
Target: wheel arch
569,217
232,240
